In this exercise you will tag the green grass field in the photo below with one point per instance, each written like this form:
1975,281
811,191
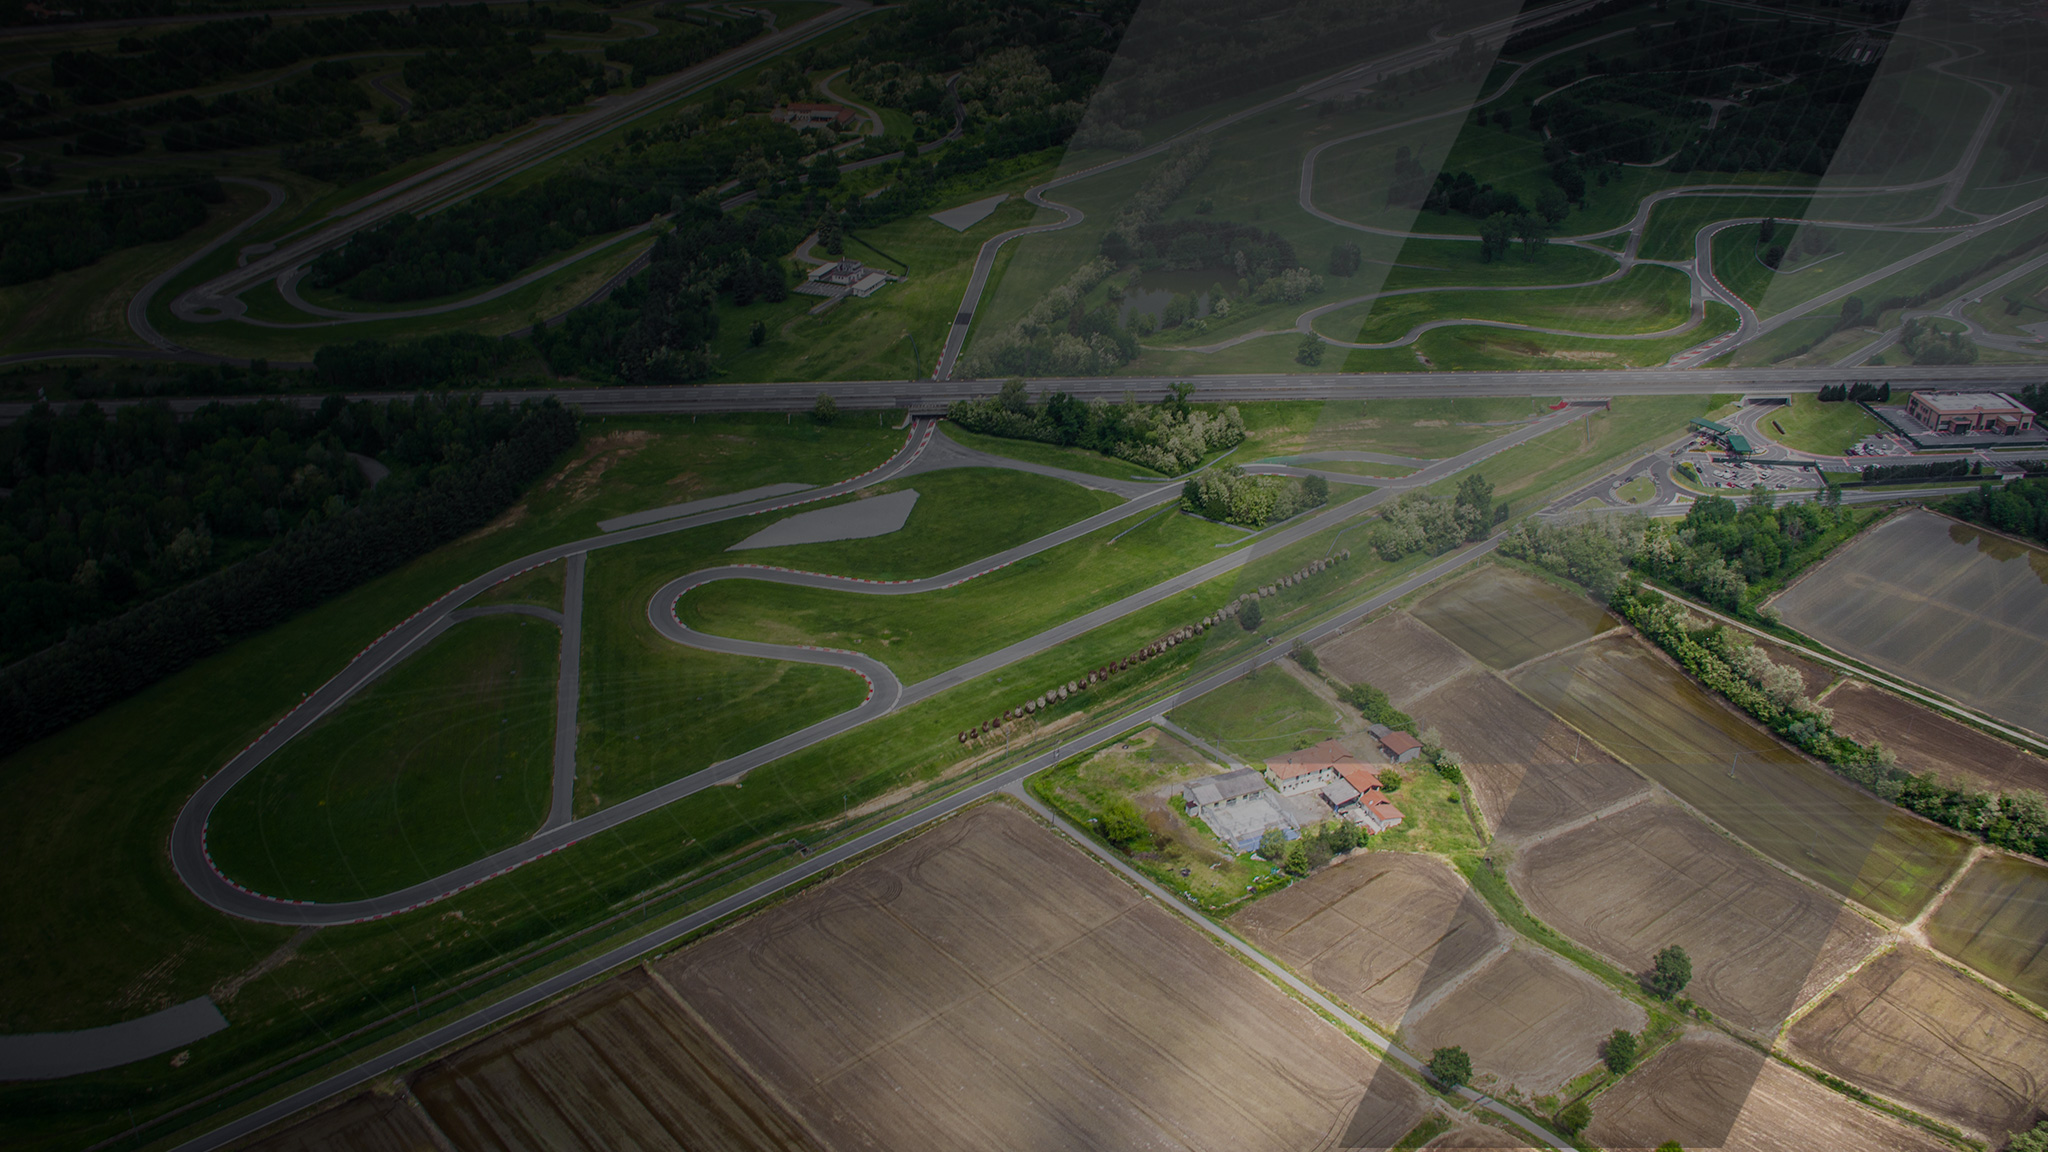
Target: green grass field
1648,299
923,634
1542,469
1811,426
1480,349
1266,714
443,759
1058,456
1423,428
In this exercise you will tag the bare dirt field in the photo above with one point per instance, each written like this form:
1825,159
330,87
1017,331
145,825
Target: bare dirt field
1626,885
1395,654
1708,1091
1925,740
1529,771
371,1122
988,986
1528,1019
1922,1033
1380,930
1505,618
1641,707
1996,920
1959,609
620,1066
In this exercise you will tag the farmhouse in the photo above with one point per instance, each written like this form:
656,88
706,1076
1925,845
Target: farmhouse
801,116
1369,805
1958,412
1310,768
1238,807
1212,794
1399,746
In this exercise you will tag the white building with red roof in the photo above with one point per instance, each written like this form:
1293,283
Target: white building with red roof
1310,768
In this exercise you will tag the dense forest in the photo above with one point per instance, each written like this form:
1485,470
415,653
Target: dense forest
2020,508
1721,547
49,236
105,510
212,528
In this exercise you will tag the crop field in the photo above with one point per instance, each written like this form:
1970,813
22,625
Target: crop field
1529,771
1263,715
371,1122
1996,920
445,758
623,1065
1956,608
1761,942
1640,707
1505,618
1380,930
987,986
1396,655
1529,1019
1708,1091
1922,1033
1925,740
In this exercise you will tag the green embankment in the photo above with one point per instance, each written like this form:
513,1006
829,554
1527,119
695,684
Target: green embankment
542,587
1467,349
1807,425
1648,299
443,759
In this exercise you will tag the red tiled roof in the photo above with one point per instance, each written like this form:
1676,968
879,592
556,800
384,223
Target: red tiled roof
1308,761
1382,809
1398,743
1359,777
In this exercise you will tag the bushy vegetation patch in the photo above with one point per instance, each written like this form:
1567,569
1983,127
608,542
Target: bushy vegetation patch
1171,436
1232,495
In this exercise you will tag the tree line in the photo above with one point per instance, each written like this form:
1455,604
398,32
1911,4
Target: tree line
45,237
1170,436
472,462
2019,507
1419,522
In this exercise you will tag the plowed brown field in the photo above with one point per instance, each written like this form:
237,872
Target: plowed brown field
1529,771
1379,931
1708,1091
1504,618
371,1122
1528,1019
1925,740
986,986
619,1066
1761,942
1924,1034
1396,655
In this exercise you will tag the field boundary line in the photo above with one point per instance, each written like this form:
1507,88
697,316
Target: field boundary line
1878,679
1273,971
1886,945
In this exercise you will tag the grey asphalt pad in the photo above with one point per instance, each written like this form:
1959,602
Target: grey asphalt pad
966,216
853,520
708,504
49,1055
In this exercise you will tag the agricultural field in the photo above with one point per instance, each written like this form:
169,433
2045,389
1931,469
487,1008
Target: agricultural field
1926,740
1505,619
1917,1031
987,986
1995,920
1958,609
1382,931
625,1064
1530,1020
1708,1091
1626,885
1394,654
1642,708
371,1122
1529,772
